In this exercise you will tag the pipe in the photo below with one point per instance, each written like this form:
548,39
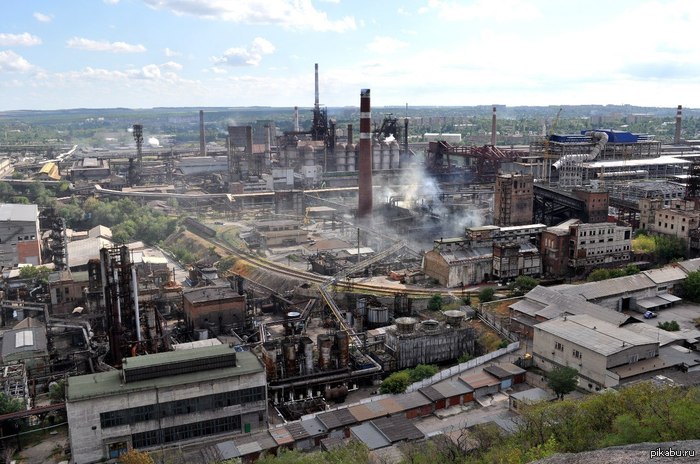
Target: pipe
597,148
119,301
364,206
332,378
135,290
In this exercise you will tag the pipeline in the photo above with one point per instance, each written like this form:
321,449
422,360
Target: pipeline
571,159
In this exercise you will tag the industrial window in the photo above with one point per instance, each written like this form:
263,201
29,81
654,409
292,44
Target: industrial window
671,225
186,432
558,346
577,354
19,238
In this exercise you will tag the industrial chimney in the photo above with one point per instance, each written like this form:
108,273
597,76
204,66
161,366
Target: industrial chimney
316,104
493,128
296,119
679,118
202,144
364,204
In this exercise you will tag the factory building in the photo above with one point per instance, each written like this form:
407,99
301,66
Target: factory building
677,220
599,245
412,343
513,200
90,170
19,235
214,309
164,399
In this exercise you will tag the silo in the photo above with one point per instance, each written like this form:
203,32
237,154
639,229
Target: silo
290,358
376,157
361,307
325,344
340,157
454,317
406,325
343,342
385,155
377,316
430,325
394,155
290,319
308,346
350,157
269,356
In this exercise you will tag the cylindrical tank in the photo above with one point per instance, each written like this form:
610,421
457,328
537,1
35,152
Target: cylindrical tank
377,316
394,154
349,318
361,307
325,345
376,157
290,358
454,317
343,342
350,156
269,355
405,325
337,394
430,325
385,155
340,157
289,320
201,334
308,346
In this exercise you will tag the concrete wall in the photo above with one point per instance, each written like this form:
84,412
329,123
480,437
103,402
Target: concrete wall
19,243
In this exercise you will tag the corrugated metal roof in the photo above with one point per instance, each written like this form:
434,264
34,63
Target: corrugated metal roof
558,303
412,400
336,419
479,379
313,427
297,431
666,275
368,434
609,287
664,337
690,265
527,307
281,436
596,335
17,212
397,428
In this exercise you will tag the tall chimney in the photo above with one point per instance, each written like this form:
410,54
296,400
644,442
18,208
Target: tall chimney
493,128
677,135
202,145
296,119
349,133
316,89
364,203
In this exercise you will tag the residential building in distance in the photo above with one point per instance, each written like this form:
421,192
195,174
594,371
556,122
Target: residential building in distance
163,399
19,235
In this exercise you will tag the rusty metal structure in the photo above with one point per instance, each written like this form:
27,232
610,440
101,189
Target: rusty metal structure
483,161
364,206
136,170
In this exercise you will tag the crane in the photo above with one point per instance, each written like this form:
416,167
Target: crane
546,164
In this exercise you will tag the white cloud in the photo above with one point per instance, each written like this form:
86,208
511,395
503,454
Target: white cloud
250,56
101,46
164,73
12,62
481,10
171,66
169,53
289,14
111,2
385,45
25,39
42,18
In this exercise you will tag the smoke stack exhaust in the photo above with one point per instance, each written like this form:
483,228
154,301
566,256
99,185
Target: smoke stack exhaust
364,204
202,144
679,119
296,119
316,88
493,128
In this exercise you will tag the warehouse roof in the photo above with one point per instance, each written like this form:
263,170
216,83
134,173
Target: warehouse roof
206,294
609,287
665,275
336,419
17,212
591,333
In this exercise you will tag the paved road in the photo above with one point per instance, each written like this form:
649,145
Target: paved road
497,412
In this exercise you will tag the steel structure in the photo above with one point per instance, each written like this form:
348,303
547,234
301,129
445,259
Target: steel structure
485,161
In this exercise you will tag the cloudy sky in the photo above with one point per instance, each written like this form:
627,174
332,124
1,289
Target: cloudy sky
147,53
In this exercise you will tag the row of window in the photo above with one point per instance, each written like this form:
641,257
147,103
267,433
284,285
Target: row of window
175,408
186,432
666,226
559,347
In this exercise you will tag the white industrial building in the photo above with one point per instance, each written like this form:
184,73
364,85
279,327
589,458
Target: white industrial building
164,399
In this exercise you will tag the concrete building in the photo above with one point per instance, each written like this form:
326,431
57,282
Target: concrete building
216,309
19,235
511,260
90,170
554,248
592,346
595,202
599,245
67,290
678,220
513,200
280,233
165,399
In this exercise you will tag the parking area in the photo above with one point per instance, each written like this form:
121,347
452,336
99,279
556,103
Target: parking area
684,313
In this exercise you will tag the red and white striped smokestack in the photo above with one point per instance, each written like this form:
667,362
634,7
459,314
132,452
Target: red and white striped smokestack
493,128
364,201
316,90
679,120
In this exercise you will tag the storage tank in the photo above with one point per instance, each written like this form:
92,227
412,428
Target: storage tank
325,345
361,307
308,348
340,157
290,358
269,357
454,317
289,320
385,156
343,342
405,325
350,156
430,325
336,394
377,316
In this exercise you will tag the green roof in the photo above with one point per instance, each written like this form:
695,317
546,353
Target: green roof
84,387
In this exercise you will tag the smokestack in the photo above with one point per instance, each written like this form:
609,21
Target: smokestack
493,128
316,89
679,118
349,133
364,203
296,119
202,145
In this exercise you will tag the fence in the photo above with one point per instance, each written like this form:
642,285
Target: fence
458,369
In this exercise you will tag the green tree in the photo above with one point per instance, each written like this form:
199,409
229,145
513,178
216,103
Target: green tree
135,457
37,273
523,284
562,380
422,371
691,287
598,274
396,382
57,392
435,302
670,326
486,294
9,404
669,248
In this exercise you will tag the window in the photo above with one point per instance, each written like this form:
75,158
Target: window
577,354
558,346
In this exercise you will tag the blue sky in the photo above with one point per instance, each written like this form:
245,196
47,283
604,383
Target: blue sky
146,53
